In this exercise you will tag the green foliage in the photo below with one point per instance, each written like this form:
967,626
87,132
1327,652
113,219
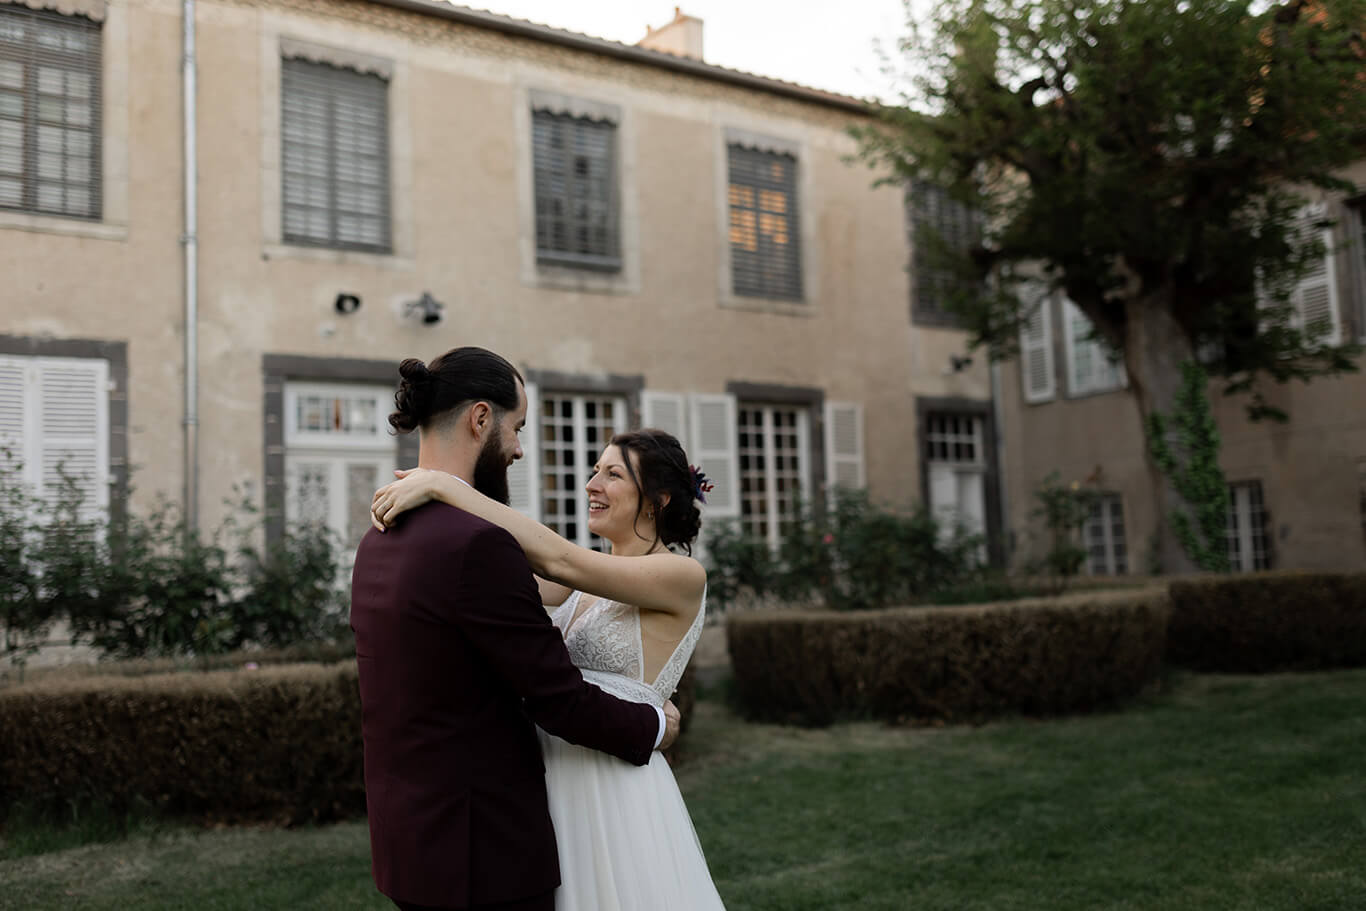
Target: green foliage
149,585
1063,508
1192,468
1141,155
853,556
47,557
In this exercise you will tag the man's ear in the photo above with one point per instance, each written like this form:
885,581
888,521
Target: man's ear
480,419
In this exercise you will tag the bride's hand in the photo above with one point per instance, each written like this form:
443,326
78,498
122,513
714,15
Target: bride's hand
414,487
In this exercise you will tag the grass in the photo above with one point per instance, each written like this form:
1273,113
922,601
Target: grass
1218,793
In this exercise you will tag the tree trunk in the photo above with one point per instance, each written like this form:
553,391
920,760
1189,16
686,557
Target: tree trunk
1155,347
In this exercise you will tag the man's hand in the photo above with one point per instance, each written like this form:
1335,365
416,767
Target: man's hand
671,721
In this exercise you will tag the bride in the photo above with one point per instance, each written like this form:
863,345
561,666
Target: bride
630,620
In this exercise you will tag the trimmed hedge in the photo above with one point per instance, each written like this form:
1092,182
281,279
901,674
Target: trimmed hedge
279,744
1275,621
1036,657
302,653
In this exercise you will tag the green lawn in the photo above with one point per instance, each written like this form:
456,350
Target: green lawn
1220,793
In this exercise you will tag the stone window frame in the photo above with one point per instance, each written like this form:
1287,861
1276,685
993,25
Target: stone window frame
280,369
115,353
113,143
284,35
577,115
978,408
807,222
578,100
812,398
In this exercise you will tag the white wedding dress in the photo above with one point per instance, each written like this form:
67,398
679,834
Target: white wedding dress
625,839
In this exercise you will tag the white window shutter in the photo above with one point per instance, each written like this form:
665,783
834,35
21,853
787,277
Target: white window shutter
667,411
75,426
524,487
1316,294
1036,355
13,413
844,464
714,450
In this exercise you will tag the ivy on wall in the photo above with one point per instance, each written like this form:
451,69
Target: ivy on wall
1185,445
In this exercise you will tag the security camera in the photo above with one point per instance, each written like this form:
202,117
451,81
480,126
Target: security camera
427,308
347,303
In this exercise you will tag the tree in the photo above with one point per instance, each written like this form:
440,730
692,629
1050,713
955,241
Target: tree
1148,159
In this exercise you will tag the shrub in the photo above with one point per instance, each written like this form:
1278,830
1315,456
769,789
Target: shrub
854,556
151,586
1274,621
1037,657
48,558
279,744
1063,510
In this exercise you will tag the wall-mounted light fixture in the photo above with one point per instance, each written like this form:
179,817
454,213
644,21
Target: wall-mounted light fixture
426,308
958,364
347,303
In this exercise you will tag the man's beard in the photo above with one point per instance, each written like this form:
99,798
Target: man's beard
491,469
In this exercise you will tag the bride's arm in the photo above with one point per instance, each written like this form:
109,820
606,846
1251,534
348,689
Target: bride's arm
553,594
664,582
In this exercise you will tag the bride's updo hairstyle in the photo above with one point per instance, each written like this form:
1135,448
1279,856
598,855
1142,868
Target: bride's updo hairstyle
662,469
432,392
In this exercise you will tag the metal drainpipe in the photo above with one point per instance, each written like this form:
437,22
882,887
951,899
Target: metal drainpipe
191,242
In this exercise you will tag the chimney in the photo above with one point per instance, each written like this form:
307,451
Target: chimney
681,37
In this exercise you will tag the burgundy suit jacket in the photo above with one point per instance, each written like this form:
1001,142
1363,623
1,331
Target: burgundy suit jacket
457,659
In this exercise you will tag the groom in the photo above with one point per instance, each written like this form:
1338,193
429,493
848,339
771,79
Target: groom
457,659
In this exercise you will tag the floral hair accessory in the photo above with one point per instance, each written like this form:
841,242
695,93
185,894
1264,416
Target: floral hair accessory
700,485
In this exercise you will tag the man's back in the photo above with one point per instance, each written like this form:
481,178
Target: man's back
453,650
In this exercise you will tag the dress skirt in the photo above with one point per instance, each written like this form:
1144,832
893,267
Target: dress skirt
626,841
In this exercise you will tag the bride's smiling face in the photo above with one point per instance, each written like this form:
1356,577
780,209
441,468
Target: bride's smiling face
612,497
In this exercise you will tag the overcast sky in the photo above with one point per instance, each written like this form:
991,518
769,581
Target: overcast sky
827,44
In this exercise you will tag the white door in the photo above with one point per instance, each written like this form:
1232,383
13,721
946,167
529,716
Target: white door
956,452
337,452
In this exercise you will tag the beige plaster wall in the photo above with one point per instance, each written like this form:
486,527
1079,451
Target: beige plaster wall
460,153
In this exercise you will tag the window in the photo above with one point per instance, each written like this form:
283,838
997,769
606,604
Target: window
54,425
49,113
1248,545
573,431
774,475
576,191
338,451
942,228
1315,295
764,236
1104,535
335,154
1091,365
956,461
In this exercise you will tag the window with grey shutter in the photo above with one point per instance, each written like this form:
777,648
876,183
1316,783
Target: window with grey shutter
941,228
576,191
49,113
335,135
765,252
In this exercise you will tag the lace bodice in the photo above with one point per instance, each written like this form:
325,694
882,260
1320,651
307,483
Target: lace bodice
605,644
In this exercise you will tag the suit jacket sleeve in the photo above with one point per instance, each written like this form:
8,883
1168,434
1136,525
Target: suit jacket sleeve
502,616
